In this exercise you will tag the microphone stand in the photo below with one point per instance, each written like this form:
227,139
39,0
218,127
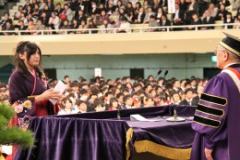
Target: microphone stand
118,113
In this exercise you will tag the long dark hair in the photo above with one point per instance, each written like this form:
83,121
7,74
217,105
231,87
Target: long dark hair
30,48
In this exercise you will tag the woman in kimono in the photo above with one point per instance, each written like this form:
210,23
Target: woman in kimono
26,83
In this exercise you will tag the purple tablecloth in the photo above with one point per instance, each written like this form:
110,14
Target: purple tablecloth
100,136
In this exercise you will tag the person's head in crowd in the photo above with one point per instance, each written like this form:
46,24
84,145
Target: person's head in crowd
108,96
124,80
120,98
150,78
229,17
84,86
188,94
200,89
159,90
211,7
222,7
80,13
195,94
152,93
137,87
175,98
58,5
129,5
194,83
99,105
182,84
66,7
149,10
6,16
128,101
148,102
92,98
161,81
81,106
141,83
152,19
73,97
53,14
176,6
84,94
93,5
163,98
195,17
67,104
138,5
94,90
141,10
67,79
104,90
176,85
28,57
83,23
125,91
119,3
113,105
187,85
117,91
75,86
52,83
137,101
148,88
43,15
101,6
65,23
207,14
129,86
81,79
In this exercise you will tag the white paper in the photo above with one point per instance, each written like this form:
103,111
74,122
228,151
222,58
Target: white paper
138,117
60,88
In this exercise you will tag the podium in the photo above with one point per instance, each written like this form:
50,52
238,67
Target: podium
102,136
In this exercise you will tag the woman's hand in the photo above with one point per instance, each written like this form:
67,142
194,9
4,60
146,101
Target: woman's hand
48,94
208,154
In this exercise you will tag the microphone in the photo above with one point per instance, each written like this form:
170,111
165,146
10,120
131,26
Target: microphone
158,73
165,73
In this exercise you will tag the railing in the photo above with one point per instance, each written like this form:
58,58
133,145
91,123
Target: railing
133,29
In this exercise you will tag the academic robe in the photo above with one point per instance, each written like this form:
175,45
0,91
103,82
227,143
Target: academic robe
21,85
216,119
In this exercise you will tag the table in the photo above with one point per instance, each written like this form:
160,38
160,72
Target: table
101,136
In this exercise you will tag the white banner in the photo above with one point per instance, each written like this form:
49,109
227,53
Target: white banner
171,6
98,72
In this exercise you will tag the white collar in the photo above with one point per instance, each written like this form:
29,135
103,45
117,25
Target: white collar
230,65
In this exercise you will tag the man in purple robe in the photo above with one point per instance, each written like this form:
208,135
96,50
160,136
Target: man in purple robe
217,115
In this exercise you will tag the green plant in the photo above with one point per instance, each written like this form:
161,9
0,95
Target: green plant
13,135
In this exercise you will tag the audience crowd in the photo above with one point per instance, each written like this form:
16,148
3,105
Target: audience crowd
118,14
99,94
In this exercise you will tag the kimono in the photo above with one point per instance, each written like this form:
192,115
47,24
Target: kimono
217,117
22,86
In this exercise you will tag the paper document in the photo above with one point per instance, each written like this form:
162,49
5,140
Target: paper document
60,88
138,117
